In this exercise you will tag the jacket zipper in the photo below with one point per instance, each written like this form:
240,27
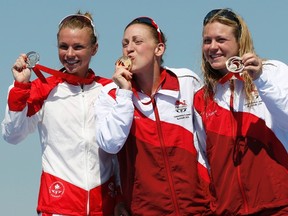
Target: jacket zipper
159,129
86,150
234,128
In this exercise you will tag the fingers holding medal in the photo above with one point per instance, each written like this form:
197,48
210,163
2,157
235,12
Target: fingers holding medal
123,75
22,67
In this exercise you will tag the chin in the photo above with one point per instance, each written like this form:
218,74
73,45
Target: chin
71,70
217,66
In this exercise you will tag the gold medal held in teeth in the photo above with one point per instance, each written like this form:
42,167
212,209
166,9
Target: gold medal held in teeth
124,61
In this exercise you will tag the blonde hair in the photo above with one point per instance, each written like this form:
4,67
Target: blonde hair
245,42
79,21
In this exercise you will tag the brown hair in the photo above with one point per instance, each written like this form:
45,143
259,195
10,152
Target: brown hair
158,35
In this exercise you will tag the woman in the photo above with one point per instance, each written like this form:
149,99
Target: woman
243,124
77,177
147,118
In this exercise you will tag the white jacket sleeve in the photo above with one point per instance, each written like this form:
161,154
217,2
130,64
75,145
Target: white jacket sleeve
113,119
200,139
16,126
273,90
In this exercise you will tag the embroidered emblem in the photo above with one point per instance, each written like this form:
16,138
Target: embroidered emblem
210,113
56,189
180,106
256,101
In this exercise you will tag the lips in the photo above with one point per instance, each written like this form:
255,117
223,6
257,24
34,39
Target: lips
72,62
214,56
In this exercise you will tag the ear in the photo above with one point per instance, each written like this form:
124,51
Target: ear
160,49
94,49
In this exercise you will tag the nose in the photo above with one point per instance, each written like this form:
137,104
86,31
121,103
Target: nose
129,48
213,45
70,52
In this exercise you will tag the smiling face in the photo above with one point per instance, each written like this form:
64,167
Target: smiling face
75,50
219,44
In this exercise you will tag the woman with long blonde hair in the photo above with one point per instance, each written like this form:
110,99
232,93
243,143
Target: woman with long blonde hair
242,120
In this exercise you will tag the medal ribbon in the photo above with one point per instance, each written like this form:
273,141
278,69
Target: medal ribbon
66,76
228,76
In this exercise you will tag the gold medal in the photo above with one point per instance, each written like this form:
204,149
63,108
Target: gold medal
124,61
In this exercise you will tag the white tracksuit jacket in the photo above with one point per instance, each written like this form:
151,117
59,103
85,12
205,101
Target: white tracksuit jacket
77,177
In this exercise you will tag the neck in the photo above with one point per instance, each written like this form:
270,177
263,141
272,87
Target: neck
148,85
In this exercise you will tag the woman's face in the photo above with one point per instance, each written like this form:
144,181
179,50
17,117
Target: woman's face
219,44
75,50
138,43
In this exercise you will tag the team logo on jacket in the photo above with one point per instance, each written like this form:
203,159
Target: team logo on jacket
180,106
56,189
256,99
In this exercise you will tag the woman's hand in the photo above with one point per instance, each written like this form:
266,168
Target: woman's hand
122,75
253,65
20,71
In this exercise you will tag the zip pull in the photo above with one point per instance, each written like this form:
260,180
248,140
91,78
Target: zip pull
232,87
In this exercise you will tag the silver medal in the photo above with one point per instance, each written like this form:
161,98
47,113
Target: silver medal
32,59
234,64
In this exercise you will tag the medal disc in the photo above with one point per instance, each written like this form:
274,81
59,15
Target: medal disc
124,61
234,64
32,59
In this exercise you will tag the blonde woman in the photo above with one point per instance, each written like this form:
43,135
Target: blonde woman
242,120
77,177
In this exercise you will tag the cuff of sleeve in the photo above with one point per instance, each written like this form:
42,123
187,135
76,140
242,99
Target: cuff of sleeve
18,96
262,80
124,93
22,85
